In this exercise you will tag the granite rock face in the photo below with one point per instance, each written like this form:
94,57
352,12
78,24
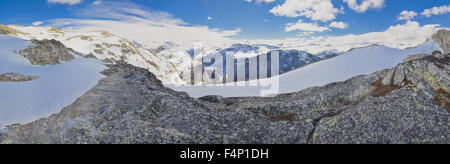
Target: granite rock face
411,106
402,117
429,73
47,52
16,77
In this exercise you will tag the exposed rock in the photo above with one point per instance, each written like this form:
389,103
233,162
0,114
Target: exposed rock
443,38
16,77
5,30
402,117
47,52
406,114
429,74
414,57
438,54
163,47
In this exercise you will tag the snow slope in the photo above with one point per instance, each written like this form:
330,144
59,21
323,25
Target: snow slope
58,86
104,46
359,61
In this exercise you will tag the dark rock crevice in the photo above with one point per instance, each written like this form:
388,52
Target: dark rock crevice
311,136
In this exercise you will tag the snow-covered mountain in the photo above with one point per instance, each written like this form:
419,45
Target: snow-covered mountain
175,63
293,59
327,54
101,45
359,61
170,62
248,58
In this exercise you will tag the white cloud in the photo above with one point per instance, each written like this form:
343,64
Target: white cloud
405,35
407,15
302,26
339,25
144,26
260,1
37,23
318,10
364,5
126,11
69,2
209,18
97,2
304,33
441,10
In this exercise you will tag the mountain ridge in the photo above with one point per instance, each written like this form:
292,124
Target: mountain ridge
101,45
167,61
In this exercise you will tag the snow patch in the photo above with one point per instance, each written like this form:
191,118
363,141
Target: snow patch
58,86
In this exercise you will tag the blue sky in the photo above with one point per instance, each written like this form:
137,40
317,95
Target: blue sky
255,20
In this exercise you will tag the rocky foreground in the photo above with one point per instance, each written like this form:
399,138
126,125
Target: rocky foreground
406,104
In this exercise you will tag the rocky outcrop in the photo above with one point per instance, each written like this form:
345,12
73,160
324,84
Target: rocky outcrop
130,105
16,77
443,38
428,76
404,111
414,57
404,116
47,52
